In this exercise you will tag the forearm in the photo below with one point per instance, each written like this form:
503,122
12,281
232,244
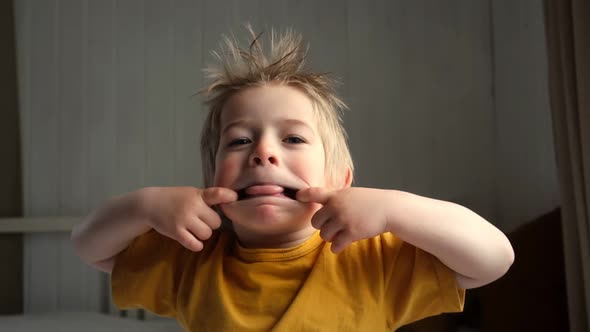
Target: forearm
108,230
461,239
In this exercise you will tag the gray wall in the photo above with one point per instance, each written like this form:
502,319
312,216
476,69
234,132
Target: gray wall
525,176
448,99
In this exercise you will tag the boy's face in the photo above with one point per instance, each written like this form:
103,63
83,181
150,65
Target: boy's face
269,148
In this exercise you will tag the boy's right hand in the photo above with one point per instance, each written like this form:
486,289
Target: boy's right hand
185,214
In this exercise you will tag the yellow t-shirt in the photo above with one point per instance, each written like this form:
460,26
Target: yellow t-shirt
377,284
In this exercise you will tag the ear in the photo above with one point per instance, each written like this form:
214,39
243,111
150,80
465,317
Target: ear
348,178
341,182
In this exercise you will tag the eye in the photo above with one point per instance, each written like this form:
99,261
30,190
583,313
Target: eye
240,141
294,140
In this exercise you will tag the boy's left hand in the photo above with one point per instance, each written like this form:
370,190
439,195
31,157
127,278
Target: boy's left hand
349,214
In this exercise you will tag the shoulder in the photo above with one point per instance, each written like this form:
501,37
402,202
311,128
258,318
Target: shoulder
387,252
382,244
368,254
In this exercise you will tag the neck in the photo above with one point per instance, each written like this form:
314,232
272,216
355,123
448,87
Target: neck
251,239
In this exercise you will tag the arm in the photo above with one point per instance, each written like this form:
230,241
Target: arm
476,250
108,230
180,213
465,242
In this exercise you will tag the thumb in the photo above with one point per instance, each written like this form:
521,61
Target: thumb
218,195
315,194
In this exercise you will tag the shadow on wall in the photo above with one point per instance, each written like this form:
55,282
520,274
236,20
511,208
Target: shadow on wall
11,247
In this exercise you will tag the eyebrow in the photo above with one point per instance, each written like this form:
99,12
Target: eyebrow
232,124
291,122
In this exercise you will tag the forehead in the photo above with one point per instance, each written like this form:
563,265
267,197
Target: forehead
269,102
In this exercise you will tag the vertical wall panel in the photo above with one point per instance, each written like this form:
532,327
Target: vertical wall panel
243,12
130,103
71,275
525,161
374,50
44,110
100,103
362,99
101,114
462,150
274,14
216,22
44,131
72,116
159,91
130,95
189,111
388,89
324,25
413,106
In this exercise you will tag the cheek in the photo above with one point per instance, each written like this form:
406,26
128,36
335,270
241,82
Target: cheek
314,175
226,170
313,167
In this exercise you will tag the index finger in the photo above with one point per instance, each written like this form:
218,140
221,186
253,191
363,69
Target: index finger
218,195
314,194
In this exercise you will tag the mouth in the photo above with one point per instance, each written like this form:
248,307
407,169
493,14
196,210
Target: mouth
264,191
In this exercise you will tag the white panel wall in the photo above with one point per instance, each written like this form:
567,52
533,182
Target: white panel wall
107,105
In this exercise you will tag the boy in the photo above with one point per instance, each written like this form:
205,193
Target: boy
276,164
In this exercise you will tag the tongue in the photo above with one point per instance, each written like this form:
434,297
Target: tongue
264,190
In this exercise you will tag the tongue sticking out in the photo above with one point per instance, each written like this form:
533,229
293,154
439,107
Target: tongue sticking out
264,190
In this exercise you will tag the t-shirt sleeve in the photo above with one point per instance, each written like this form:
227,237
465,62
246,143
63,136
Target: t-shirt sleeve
147,274
418,284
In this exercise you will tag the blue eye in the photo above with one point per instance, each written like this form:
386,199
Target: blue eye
293,140
240,141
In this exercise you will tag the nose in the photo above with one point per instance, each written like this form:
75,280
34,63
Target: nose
264,154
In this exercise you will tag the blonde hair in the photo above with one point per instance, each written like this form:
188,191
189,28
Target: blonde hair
242,68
